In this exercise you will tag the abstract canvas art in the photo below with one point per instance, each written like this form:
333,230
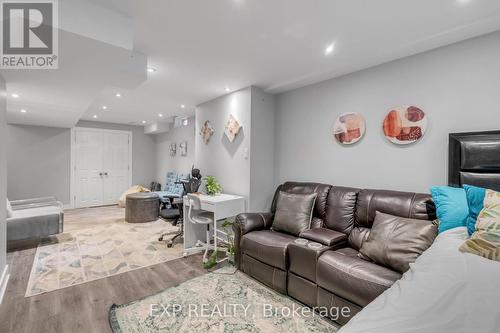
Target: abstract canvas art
183,148
232,128
206,131
349,128
405,125
173,149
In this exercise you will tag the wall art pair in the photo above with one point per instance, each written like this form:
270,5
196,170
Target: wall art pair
182,148
402,125
231,129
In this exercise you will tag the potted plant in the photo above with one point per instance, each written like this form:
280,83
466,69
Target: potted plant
212,186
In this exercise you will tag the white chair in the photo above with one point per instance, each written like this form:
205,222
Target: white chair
198,216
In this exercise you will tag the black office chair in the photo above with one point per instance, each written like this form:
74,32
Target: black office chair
175,212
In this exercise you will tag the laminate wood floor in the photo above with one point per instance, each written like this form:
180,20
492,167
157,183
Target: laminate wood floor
83,308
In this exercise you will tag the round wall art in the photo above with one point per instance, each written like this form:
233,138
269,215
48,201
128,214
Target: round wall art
349,128
405,125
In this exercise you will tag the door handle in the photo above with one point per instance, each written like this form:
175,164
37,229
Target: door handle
100,173
105,173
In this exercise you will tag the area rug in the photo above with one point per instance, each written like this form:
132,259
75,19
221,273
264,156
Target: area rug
100,251
221,301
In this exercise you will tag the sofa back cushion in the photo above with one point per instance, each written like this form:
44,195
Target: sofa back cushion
321,190
404,204
293,213
340,208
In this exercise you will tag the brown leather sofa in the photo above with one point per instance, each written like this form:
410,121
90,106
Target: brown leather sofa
333,275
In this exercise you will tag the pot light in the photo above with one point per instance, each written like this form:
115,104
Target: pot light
23,111
118,95
151,70
463,2
329,49
15,95
94,116
183,106
143,121
160,115
104,107
227,89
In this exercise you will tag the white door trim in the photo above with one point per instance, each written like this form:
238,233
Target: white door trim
72,188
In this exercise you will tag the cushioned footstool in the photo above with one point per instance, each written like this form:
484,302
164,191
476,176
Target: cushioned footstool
142,207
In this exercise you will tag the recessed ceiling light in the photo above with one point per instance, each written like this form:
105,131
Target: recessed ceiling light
183,106
329,49
118,95
160,115
15,95
151,70
227,89
463,2
104,107
23,111
143,121
94,116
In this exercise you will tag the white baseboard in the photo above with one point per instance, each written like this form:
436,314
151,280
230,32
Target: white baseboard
4,279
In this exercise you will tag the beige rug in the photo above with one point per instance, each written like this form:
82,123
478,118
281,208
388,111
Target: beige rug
221,301
99,251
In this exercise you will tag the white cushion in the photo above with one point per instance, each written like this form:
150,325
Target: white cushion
9,209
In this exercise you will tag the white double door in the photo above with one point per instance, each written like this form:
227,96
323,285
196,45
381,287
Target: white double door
102,166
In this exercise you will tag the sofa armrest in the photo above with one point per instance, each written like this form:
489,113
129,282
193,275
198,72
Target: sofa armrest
245,223
324,236
248,222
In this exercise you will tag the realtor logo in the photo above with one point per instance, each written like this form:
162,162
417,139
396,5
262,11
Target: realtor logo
29,34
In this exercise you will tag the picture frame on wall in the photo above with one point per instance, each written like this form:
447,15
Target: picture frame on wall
183,148
173,149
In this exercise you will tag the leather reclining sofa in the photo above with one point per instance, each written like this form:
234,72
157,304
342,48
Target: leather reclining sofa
333,275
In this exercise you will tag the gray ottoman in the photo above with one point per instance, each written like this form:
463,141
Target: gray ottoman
142,207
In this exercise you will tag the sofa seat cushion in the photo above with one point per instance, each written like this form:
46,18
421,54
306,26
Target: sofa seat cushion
268,246
343,273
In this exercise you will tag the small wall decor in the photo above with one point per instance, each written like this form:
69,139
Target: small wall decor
173,149
349,128
232,128
183,148
206,131
405,125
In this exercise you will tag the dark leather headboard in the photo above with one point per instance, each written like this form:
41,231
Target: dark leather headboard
474,159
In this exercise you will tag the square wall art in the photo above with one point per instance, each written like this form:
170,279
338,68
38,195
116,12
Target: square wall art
232,128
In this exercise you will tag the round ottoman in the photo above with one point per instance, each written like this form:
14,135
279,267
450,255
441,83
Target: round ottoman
142,207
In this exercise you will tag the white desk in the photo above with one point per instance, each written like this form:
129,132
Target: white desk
222,206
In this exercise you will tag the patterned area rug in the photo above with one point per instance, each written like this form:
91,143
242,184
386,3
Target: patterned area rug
100,251
217,302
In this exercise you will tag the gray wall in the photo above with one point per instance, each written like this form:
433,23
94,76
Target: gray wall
3,181
262,151
457,86
178,163
220,158
38,162
245,166
39,159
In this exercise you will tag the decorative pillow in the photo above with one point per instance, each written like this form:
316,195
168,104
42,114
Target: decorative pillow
485,241
9,209
293,212
475,200
395,242
451,206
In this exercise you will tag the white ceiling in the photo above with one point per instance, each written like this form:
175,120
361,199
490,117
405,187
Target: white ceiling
200,47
